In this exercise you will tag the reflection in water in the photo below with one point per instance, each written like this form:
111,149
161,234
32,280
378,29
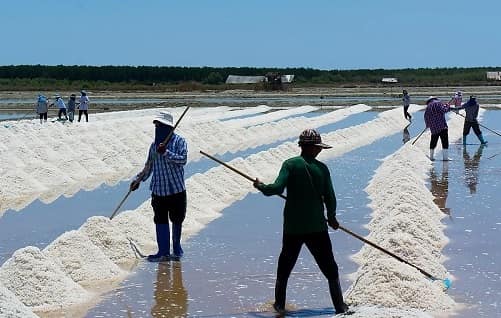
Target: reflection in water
471,168
406,136
171,298
440,187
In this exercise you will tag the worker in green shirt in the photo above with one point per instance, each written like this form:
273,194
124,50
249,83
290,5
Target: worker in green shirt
309,188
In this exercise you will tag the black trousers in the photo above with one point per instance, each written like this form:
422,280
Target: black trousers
43,116
80,112
62,111
444,138
471,124
406,113
319,245
171,207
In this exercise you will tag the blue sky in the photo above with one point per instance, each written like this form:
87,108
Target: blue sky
344,34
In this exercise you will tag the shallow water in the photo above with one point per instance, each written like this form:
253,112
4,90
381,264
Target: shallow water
470,190
229,266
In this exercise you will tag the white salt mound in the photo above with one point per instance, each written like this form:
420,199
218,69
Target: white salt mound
83,261
389,283
108,236
138,227
12,307
39,283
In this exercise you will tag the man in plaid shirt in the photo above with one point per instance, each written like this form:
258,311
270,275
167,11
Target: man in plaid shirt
434,118
165,165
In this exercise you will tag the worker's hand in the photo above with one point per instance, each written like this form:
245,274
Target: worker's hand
333,223
256,183
134,185
161,148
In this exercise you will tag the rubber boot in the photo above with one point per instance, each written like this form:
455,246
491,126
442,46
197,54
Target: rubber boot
176,240
464,140
432,151
280,294
445,155
482,140
337,296
163,241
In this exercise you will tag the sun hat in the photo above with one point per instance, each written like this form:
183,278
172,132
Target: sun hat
164,118
311,137
430,99
57,96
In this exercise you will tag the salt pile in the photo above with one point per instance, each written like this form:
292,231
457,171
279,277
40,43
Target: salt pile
80,259
39,283
405,221
12,307
108,236
119,145
137,227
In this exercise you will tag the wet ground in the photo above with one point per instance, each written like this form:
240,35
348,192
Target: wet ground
229,266
470,192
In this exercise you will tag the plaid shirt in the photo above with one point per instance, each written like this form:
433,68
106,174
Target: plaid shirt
434,116
167,169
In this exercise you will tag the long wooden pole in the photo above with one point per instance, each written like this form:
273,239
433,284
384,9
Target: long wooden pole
419,135
340,227
480,125
149,163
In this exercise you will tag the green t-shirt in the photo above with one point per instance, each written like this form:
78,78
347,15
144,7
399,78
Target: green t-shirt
304,208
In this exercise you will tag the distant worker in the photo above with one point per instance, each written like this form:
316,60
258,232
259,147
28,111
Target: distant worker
406,99
168,191
434,118
471,108
42,107
61,106
309,189
71,107
457,100
83,108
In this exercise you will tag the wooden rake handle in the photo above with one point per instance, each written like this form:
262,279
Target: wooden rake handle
340,227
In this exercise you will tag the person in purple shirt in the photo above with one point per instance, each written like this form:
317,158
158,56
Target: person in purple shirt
434,118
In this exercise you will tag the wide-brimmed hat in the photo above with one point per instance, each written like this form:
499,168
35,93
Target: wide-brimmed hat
311,137
430,99
57,96
164,118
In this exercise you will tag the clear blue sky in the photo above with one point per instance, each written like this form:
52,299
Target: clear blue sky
324,34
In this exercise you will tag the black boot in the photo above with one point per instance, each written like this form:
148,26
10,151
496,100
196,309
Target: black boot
337,296
280,294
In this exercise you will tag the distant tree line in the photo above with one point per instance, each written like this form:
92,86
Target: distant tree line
146,77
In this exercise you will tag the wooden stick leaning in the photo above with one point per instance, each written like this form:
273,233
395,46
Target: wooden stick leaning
445,281
419,135
149,163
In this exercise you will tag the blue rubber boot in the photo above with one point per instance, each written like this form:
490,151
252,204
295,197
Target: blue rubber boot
163,241
176,240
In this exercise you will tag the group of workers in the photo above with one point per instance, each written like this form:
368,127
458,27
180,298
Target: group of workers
309,192
434,118
42,107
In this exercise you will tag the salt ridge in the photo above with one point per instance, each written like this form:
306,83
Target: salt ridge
109,236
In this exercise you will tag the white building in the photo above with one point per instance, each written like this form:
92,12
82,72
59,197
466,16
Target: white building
494,76
389,80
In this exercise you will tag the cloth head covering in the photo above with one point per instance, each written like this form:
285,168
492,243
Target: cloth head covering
311,137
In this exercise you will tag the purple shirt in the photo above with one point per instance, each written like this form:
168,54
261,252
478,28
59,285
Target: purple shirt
434,116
